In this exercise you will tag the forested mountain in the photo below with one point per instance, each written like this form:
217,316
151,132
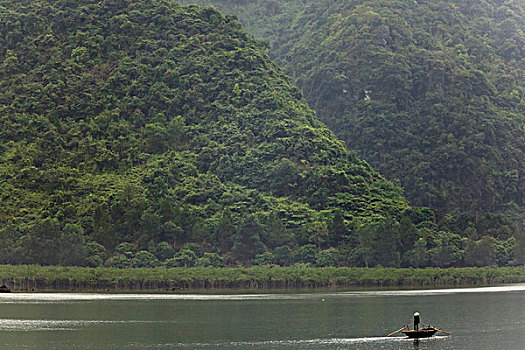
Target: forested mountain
135,132
430,92
158,124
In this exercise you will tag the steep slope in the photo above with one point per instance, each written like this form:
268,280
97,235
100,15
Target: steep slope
151,122
431,93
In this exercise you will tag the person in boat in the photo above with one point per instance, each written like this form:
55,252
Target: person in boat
416,320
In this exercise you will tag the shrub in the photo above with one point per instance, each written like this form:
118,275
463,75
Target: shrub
210,260
283,256
183,258
307,254
119,261
144,259
127,249
328,257
96,254
265,258
164,251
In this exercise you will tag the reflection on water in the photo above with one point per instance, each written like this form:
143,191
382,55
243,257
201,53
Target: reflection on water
61,297
329,320
56,325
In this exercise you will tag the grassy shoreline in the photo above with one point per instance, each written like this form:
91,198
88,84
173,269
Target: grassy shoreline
58,278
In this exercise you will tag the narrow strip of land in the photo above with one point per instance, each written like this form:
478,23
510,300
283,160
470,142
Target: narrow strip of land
41,278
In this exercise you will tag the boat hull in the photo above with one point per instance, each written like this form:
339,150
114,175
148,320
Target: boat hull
420,333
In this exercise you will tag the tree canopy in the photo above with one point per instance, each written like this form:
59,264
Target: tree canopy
145,122
430,92
139,133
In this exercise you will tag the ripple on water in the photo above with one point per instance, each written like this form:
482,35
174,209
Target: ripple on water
315,343
75,297
55,325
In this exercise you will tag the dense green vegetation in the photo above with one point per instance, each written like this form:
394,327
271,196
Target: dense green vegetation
140,134
430,92
155,125
174,279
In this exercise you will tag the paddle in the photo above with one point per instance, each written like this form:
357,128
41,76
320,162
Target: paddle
399,330
437,329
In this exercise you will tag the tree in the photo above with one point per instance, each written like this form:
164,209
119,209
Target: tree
247,240
172,232
481,252
276,232
183,258
164,251
283,256
126,249
155,138
96,254
41,244
118,261
265,258
72,249
210,260
387,244
316,232
104,230
362,242
337,228
9,247
144,259
505,251
375,243
408,234
176,131
447,250
285,177
419,255
150,225
327,257
224,231
307,254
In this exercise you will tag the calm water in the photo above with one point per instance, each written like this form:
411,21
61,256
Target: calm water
479,318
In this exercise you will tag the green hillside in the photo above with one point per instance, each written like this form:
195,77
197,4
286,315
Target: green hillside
159,125
136,133
431,93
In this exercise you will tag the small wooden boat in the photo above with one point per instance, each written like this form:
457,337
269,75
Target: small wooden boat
426,332
420,333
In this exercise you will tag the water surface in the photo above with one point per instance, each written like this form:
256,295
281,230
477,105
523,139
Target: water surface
477,318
